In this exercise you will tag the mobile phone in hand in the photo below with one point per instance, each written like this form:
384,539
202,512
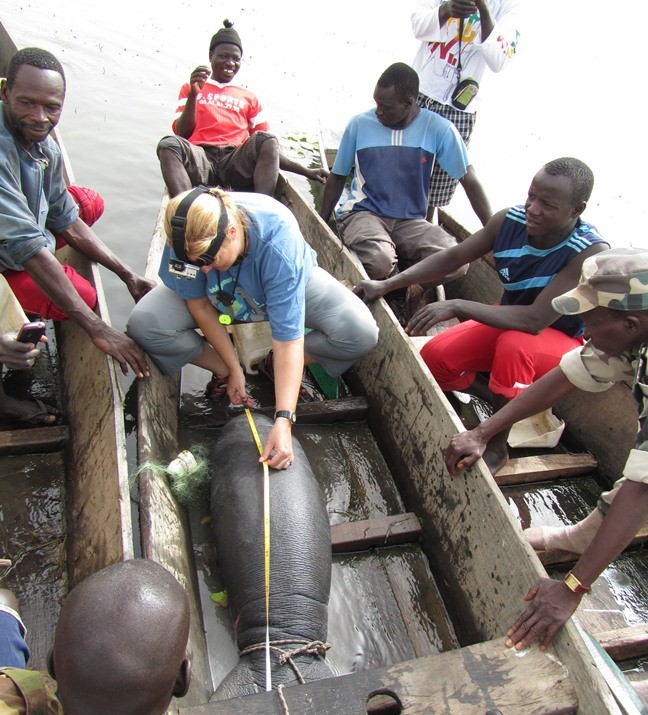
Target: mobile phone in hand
31,332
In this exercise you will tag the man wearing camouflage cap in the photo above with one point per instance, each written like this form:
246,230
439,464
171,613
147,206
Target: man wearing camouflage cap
612,297
221,136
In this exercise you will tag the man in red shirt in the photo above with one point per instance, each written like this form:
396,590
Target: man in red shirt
220,135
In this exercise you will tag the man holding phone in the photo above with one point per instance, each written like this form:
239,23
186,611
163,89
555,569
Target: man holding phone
38,212
19,355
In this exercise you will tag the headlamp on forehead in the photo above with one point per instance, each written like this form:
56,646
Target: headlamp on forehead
181,266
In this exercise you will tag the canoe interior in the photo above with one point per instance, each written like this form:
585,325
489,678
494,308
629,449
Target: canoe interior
74,502
469,536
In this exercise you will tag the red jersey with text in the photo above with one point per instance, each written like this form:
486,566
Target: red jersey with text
226,114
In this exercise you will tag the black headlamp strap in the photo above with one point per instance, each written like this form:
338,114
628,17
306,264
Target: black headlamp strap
179,222
214,247
179,226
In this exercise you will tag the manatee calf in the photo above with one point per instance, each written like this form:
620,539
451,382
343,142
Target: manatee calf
300,562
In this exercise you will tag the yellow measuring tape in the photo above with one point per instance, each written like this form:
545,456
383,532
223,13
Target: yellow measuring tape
266,542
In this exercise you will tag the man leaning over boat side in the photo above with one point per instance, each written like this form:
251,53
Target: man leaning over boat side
221,137
392,150
460,41
612,297
38,212
119,648
539,248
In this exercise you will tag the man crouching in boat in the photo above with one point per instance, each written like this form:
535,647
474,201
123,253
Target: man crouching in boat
39,214
539,249
241,258
119,648
612,297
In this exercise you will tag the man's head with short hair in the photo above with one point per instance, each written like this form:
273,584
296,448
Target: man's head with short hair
556,199
402,78
395,96
578,173
33,95
120,642
36,57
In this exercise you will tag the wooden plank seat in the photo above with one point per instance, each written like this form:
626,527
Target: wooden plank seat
484,678
344,409
367,533
36,439
625,643
542,467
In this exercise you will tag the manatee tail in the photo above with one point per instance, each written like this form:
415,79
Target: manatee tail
239,681
248,675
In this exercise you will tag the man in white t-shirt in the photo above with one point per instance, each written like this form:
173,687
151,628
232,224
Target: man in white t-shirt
460,40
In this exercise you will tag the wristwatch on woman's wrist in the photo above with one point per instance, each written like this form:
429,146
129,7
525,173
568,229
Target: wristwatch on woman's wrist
286,414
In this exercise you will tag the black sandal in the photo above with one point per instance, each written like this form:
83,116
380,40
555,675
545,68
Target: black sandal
266,368
216,388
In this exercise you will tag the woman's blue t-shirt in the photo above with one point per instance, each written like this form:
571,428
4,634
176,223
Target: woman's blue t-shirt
270,281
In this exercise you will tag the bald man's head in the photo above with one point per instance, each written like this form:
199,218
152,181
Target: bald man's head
120,642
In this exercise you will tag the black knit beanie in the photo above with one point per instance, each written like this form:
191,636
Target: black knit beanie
227,34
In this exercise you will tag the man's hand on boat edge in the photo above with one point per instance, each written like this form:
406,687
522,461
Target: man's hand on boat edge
138,286
430,315
552,605
124,350
464,450
370,291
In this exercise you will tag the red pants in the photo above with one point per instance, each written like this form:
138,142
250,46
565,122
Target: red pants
29,295
514,359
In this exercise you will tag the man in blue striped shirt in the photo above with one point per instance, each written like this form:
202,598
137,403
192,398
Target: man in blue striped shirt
539,248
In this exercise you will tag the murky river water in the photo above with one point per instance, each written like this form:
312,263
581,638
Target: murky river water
314,70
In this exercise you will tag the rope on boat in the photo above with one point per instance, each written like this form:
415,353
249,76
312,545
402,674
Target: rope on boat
314,648
282,700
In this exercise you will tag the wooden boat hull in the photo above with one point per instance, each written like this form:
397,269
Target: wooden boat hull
469,533
164,524
98,513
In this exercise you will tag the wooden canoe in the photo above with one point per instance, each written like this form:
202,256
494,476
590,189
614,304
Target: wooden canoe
467,533
88,449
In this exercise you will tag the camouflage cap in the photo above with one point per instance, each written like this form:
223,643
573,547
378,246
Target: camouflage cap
617,278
